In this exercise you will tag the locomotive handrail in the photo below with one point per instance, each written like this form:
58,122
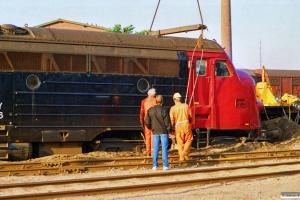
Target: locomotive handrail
73,105
88,83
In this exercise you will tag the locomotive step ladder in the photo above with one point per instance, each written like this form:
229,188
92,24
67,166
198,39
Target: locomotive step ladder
203,140
3,151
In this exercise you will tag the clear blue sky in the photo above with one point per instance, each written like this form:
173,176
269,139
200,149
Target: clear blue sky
264,32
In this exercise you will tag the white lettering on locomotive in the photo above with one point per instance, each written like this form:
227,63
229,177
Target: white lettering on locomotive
1,113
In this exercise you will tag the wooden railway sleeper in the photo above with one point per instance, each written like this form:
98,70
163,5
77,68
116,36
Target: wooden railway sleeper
73,170
138,148
53,164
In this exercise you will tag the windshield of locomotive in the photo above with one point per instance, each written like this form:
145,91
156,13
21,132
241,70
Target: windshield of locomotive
201,67
221,68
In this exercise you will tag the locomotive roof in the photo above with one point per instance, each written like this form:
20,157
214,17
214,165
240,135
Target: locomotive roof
95,39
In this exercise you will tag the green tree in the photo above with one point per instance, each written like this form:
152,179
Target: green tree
117,28
128,29
143,32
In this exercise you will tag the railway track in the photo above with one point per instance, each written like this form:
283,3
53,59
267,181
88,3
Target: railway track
93,165
152,185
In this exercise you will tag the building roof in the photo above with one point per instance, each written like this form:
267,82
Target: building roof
70,22
249,71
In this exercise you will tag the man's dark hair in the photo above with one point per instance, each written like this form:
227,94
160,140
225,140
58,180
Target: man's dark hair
159,100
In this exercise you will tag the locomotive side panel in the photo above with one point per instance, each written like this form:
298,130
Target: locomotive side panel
62,107
6,98
84,101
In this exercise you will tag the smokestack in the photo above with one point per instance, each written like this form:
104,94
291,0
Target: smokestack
226,27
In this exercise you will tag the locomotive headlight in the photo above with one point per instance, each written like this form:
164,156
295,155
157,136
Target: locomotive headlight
33,82
143,85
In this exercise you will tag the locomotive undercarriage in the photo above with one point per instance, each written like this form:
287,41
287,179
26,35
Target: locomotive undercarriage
109,141
113,141
207,137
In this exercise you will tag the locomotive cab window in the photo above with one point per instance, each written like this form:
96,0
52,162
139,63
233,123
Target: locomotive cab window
221,68
201,67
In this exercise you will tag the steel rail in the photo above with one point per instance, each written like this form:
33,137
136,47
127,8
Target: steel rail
145,175
220,156
139,187
95,168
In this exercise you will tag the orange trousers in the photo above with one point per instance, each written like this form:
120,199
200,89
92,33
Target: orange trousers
184,139
148,138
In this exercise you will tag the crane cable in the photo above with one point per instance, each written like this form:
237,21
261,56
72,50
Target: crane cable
198,45
154,15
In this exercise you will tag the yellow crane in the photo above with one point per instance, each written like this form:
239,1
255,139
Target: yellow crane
264,93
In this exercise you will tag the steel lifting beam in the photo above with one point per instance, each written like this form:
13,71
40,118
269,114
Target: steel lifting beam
178,30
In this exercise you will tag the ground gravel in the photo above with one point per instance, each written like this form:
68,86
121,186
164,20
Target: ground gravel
263,188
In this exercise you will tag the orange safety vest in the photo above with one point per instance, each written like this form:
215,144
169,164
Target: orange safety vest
147,103
181,116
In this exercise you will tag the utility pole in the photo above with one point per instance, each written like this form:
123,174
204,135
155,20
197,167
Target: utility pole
260,53
226,27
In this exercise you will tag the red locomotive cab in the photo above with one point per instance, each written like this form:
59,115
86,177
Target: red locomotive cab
221,97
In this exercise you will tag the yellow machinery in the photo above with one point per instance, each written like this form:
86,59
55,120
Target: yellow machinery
288,100
264,93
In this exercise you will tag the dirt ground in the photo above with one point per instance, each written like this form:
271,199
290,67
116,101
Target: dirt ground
265,188
289,139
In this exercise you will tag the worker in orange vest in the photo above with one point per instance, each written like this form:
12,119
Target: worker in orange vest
147,103
181,118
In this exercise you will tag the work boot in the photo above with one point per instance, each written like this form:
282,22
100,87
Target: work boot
186,157
172,147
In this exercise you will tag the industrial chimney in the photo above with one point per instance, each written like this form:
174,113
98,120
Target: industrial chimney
226,27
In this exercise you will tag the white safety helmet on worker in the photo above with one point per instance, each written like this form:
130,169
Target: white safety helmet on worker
176,95
151,92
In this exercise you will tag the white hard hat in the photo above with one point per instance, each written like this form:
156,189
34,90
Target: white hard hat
176,95
151,92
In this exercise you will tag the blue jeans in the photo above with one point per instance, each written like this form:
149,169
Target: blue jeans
164,138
